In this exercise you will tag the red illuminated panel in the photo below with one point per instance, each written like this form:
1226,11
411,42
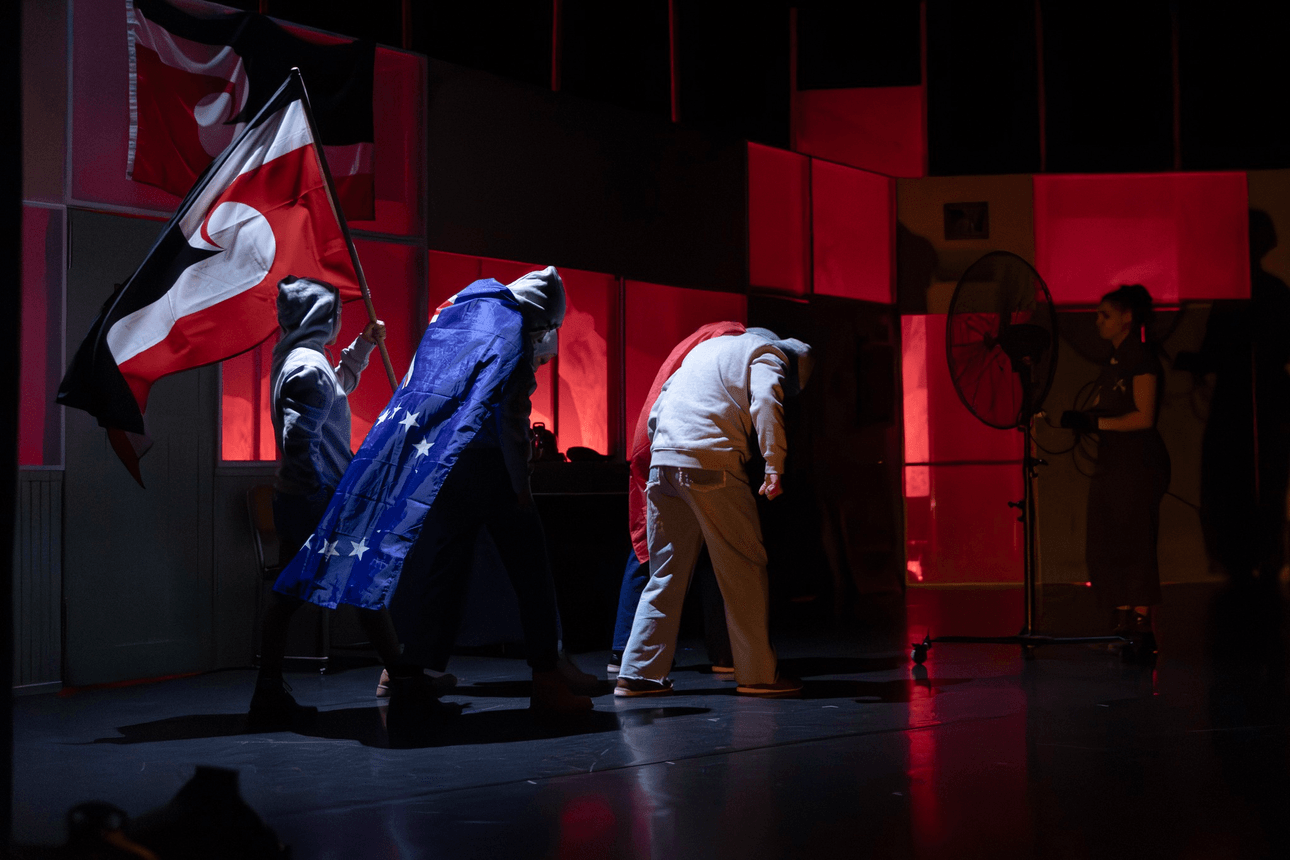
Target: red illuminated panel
779,220
580,416
589,327
938,427
39,424
854,226
245,406
101,117
883,129
1181,235
398,117
959,528
658,318
448,274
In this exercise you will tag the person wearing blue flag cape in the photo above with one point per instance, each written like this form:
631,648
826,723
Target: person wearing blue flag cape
447,458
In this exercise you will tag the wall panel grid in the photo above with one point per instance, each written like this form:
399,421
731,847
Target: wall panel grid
38,581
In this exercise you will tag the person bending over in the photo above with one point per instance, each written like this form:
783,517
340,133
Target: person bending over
726,397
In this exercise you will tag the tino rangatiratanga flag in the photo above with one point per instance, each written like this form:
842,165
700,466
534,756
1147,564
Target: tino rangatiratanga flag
208,288
196,79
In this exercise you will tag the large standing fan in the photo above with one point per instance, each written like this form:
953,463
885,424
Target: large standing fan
1001,347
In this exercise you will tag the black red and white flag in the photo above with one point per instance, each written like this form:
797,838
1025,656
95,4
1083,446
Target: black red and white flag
208,288
196,79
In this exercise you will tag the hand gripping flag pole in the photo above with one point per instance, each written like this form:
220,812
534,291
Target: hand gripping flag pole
207,289
344,227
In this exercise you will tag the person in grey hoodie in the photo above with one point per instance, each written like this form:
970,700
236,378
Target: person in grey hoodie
311,421
726,397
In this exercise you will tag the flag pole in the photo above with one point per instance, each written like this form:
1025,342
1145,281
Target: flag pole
344,226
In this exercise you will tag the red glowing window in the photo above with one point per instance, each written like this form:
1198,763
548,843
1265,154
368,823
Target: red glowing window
658,318
883,129
246,423
779,220
958,526
588,339
40,427
579,412
960,473
854,227
1181,235
394,275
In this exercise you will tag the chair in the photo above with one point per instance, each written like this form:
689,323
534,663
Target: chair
268,555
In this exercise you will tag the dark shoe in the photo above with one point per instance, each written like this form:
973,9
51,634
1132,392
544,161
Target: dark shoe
417,698
443,682
782,687
273,709
579,681
551,695
642,687
415,714
615,662
723,669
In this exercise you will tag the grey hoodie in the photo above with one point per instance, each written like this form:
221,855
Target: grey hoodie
310,407
727,396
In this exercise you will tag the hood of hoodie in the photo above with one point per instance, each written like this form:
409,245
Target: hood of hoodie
801,361
309,314
541,298
542,305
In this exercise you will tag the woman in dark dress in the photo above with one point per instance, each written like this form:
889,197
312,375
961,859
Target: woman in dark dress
1132,472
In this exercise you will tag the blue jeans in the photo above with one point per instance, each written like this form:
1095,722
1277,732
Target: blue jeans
635,575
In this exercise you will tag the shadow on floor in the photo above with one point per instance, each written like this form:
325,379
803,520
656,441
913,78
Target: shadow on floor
367,726
810,667
514,689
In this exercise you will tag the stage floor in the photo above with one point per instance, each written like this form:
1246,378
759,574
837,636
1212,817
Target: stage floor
980,753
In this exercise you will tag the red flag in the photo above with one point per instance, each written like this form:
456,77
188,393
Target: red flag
208,288
196,80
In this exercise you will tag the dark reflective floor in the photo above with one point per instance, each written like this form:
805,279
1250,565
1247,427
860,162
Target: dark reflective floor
983,754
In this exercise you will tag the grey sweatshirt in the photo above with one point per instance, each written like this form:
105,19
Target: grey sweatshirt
726,397
310,408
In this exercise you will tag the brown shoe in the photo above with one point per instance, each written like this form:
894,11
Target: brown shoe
551,695
782,687
642,687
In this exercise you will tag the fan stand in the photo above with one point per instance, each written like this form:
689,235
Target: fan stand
1027,638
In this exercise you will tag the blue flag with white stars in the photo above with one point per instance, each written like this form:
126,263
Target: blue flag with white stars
468,353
